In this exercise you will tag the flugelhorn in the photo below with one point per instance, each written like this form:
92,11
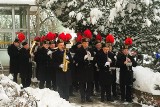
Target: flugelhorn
33,44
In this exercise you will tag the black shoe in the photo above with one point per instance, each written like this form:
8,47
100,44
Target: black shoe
102,100
129,100
72,95
122,100
82,100
110,99
89,100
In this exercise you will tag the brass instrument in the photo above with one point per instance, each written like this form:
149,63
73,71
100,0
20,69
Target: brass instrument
65,62
33,44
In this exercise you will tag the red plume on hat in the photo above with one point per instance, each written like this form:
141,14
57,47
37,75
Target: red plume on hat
99,37
79,38
21,37
51,36
61,36
88,34
110,38
65,37
37,38
128,41
43,38
68,37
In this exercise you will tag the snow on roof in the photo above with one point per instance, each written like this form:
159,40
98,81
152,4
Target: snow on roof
29,2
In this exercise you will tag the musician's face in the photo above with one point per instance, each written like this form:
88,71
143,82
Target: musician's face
98,45
16,44
78,46
125,51
85,45
52,46
46,46
61,46
105,49
26,46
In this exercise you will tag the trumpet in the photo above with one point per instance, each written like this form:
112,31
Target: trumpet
65,61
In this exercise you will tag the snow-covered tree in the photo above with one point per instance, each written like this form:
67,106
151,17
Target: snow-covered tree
139,19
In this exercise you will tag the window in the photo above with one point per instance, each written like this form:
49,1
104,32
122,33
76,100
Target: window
5,39
6,18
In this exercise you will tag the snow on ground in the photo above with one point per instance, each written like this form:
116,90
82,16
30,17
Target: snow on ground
146,80
12,95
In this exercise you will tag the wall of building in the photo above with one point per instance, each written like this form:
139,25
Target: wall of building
4,58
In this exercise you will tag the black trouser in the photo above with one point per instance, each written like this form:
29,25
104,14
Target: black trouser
64,92
114,85
54,86
126,84
42,82
126,92
15,74
85,89
26,82
106,89
96,80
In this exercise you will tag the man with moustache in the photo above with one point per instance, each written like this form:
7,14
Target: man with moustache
63,78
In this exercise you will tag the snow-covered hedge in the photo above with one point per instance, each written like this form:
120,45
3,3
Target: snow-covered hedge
11,95
147,80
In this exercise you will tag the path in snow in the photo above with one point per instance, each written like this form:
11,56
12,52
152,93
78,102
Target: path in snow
96,102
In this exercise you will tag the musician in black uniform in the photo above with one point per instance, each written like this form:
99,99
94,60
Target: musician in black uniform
113,71
63,78
13,53
44,72
84,60
104,61
51,66
25,67
125,63
98,47
36,51
73,51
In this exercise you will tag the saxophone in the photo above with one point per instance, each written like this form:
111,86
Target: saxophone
65,62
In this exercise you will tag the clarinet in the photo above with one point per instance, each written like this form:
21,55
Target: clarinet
108,61
128,63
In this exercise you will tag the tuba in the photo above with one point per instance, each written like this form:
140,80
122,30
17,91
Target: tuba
65,61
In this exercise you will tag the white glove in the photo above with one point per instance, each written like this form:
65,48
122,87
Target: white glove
85,57
107,63
90,58
109,60
67,57
88,53
49,52
129,64
61,66
96,65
